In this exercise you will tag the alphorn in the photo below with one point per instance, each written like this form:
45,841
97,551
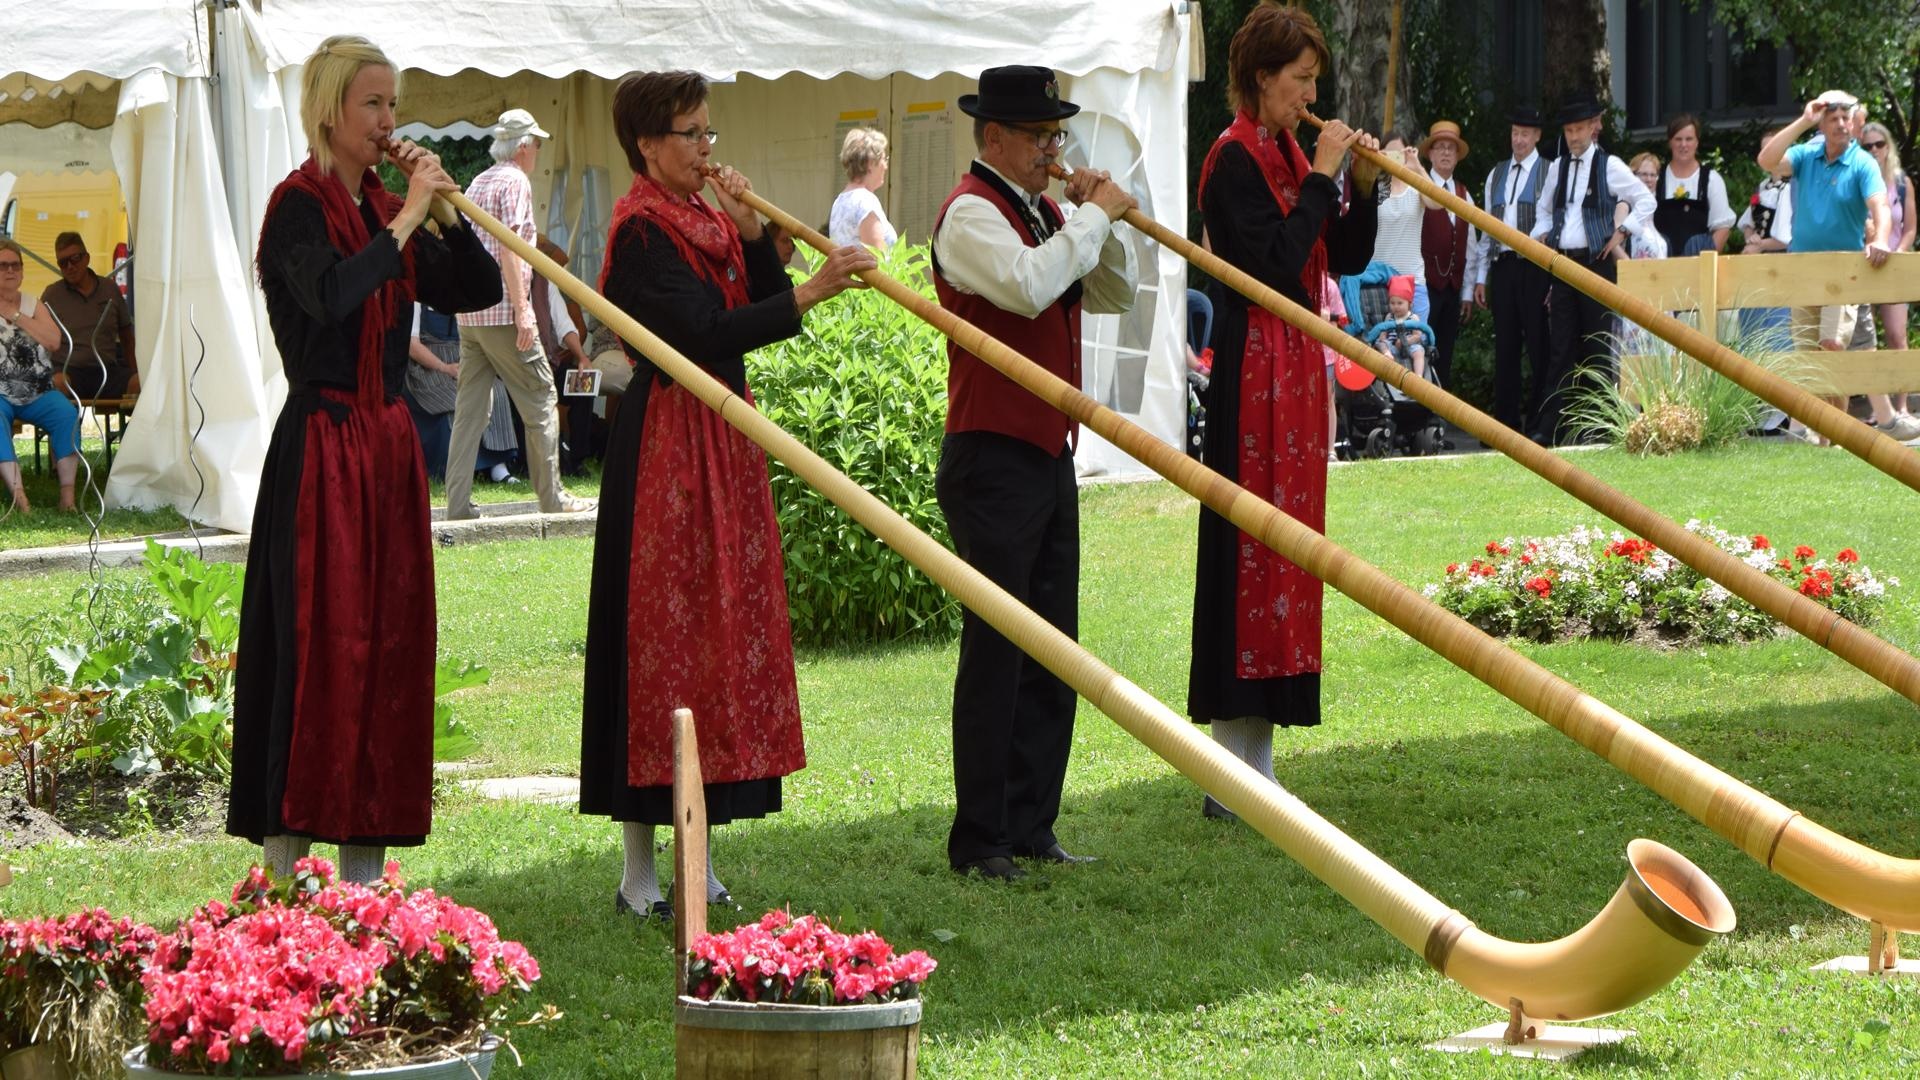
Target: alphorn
1662,915
1869,652
1844,873
1873,447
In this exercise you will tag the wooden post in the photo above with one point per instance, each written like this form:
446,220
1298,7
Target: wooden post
689,843
1883,949
1710,294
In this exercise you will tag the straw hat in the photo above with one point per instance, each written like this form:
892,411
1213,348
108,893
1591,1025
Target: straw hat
1443,129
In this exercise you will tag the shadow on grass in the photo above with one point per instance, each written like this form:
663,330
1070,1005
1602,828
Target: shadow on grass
1524,833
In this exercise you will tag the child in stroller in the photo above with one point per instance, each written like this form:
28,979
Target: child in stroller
1380,418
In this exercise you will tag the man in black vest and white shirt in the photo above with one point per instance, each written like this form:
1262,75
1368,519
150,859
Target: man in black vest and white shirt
1583,188
1501,279
1007,259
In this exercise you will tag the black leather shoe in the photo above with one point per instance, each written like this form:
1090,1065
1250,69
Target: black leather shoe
659,909
1211,809
724,900
1058,854
993,867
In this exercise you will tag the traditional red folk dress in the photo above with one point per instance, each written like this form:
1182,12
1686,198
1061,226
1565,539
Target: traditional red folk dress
333,694
1256,616
688,604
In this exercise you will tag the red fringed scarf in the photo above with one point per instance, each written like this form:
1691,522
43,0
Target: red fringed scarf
1283,437
347,231
706,239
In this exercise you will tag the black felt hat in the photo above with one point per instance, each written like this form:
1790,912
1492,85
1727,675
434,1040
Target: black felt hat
1581,106
1018,93
1525,116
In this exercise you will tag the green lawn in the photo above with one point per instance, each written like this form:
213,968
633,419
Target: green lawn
1195,948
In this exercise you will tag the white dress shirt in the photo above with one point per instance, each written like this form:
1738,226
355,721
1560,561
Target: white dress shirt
1480,254
980,253
1626,187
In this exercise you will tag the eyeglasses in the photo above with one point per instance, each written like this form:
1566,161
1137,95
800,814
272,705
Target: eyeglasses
10,267
695,135
1043,138
71,260
1877,144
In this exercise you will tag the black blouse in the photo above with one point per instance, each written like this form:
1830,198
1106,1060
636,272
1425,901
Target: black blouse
1246,228
314,293
651,282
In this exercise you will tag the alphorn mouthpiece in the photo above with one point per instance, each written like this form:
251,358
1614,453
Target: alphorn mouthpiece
1058,171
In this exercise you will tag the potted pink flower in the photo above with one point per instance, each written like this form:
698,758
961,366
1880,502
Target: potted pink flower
317,977
767,991
69,993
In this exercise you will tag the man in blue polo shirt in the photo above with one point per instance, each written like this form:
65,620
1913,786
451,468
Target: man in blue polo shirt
1838,199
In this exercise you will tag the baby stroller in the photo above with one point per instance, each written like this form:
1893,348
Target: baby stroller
1376,419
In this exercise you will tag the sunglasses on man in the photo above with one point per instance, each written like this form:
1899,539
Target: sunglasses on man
67,261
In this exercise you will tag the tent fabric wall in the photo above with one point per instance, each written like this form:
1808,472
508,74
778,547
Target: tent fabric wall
197,440
141,69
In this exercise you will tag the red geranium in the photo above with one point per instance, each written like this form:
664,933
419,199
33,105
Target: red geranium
1847,555
1760,543
1803,553
802,961
1540,587
291,974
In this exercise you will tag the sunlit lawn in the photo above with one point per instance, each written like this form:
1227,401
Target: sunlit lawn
1195,948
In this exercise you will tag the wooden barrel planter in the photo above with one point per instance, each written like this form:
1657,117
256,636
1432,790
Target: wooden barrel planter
739,1040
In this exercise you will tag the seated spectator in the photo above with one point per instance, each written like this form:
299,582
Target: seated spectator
100,362
27,331
1402,336
560,340
857,216
433,378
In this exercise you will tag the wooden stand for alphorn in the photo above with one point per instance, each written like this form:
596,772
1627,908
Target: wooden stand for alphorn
689,845
1883,956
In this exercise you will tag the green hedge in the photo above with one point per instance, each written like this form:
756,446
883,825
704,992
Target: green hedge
865,386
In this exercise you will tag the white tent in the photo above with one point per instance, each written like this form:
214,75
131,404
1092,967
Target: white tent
139,70
197,155
795,74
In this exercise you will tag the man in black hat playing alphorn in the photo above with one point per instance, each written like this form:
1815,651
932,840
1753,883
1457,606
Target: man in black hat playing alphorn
1584,188
1501,279
1007,260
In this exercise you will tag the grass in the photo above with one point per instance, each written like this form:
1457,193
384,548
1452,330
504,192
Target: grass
1195,949
47,527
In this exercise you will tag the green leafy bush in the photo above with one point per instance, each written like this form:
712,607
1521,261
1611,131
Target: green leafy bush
865,386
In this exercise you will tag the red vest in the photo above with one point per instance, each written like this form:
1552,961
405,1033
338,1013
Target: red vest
979,398
1443,244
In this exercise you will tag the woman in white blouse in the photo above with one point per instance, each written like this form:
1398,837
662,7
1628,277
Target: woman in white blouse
1691,209
1402,212
858,217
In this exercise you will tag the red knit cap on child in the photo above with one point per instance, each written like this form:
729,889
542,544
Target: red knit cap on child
1401,285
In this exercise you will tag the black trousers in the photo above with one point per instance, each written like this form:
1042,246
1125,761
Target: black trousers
1444,316
1014,514
1517,293
1580,328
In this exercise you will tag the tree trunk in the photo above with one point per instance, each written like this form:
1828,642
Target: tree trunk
1358,32
1575,60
